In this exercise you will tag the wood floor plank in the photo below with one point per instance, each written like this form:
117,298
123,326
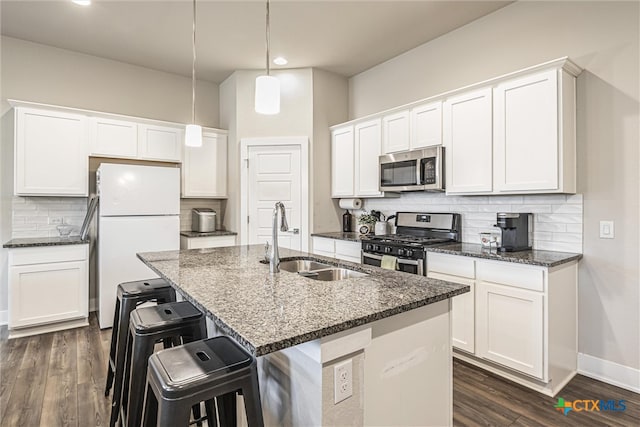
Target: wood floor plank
475,406
25,403
44,368
535,409
92,363
60,406
94,409
11,354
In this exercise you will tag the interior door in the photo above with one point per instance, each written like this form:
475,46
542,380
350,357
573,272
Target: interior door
274,176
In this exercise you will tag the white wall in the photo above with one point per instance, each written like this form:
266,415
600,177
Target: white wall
49,75
239,117
330,107
601,37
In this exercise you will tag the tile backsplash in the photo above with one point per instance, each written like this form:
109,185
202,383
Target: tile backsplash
557,218
187,204
39,216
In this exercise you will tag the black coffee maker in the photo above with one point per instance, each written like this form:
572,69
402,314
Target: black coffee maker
515,231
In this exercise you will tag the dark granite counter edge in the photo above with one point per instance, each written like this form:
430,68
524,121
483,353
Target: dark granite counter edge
310,336
338,235
196,234
570,257
12,245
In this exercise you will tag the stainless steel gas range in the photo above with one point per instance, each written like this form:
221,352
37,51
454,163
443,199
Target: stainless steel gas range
414,232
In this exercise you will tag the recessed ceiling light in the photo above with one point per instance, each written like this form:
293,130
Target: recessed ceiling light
82,2
280,61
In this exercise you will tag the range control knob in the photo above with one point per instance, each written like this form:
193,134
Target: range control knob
376,247
400,252
409,252
368,247
387,250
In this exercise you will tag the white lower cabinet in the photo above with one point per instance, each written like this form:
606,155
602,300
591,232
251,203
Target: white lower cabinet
462,271
48,286
519,321
510,323
340,249
207,242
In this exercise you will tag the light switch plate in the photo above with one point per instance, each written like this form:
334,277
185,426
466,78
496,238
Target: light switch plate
606,230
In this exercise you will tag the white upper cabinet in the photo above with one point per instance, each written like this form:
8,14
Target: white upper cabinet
515,134
467,137
162,143
342,162
204,169
426,125
395,132
532,135
51,153
367,151
113,138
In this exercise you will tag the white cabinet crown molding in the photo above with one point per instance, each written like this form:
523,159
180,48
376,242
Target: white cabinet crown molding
564,63
15,103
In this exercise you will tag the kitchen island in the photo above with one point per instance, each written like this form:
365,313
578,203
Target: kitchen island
392,329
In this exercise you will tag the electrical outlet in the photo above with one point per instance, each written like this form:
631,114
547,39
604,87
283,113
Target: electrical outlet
343,380
55,220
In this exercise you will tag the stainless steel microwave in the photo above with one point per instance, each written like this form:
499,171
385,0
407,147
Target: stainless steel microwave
418,170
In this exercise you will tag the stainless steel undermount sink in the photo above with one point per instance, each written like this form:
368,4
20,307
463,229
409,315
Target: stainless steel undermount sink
319,271
296,265
332,274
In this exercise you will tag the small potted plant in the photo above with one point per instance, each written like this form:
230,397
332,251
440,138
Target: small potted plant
367,223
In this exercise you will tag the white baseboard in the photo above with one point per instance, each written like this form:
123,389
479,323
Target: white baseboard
4,317
93,305
609,372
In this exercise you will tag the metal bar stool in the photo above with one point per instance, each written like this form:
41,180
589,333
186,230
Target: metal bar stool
183,376
130,295
148,326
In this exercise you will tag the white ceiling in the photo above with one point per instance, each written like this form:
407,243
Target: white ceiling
346,37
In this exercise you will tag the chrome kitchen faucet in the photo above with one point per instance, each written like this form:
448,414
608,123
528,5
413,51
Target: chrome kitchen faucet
274,258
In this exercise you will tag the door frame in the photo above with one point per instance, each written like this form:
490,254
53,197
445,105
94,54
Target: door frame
303,143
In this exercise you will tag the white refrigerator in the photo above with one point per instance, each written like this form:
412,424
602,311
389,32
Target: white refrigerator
139,211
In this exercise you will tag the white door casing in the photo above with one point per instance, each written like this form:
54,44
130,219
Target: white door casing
275,169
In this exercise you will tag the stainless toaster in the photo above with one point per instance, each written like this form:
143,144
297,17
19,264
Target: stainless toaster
203,220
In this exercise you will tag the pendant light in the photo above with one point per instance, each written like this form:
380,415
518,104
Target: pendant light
267,99
193,132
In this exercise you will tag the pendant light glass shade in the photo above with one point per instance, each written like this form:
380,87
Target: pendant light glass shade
193,132
267,87
193,136
267,95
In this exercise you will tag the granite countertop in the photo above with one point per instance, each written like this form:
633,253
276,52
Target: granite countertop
44,241
351,236
531,257
267,313
188,233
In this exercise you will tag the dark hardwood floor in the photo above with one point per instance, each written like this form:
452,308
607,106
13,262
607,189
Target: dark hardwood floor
58,379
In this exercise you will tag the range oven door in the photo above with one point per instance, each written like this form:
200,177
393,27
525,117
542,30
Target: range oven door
406,265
